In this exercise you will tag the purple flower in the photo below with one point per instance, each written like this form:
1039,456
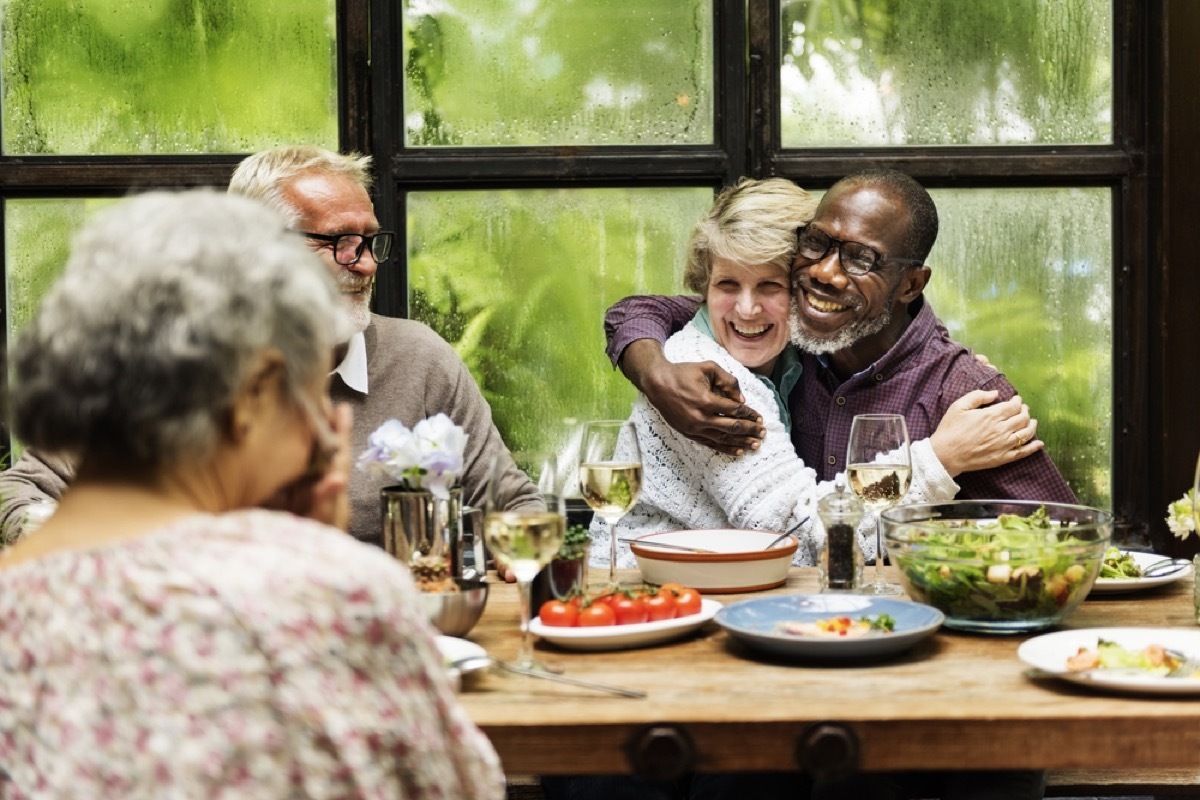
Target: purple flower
429,457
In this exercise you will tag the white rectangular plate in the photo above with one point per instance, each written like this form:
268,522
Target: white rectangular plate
624,637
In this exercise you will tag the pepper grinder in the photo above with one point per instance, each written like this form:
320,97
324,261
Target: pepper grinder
840,564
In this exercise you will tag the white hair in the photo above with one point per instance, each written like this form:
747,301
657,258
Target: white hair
264,175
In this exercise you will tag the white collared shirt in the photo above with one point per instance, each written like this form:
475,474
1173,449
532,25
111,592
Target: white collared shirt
353,368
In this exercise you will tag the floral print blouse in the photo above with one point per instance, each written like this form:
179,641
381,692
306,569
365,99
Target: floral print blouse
251,654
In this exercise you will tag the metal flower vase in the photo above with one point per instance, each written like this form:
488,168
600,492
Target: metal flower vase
416,523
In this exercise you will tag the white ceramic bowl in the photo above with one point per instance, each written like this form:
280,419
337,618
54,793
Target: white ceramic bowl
740,561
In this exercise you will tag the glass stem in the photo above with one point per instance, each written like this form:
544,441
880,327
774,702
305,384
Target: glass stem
612,549
879,581
525,653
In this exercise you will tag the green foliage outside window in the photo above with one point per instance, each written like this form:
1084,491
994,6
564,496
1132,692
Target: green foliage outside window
946,72
519,281
560,72
166,76
1023,276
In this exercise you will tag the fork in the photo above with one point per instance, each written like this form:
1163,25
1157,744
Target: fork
1187,667
1168,566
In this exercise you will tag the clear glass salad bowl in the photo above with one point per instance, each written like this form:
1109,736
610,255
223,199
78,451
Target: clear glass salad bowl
998,566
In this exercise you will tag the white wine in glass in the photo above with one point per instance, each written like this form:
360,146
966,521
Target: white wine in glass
610,476
526,538
879,468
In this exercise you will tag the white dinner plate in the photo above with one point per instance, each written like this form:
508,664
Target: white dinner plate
1049,653
625,637
1143,560
755,623
454,649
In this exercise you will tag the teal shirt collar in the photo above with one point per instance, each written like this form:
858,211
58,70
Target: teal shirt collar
784,377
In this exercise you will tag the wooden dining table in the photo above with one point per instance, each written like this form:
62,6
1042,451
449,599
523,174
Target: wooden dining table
954,701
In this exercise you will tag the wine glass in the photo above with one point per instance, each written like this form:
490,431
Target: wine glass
526,538
879,468
610,476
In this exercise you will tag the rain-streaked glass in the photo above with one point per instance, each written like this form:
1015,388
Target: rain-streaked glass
37,240
946,72
518,281
1024,276
159,77
551,72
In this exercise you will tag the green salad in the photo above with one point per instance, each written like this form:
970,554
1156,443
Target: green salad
1012,568
1119,565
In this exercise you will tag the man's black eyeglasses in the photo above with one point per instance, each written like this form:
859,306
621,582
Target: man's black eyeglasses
856,258
348,247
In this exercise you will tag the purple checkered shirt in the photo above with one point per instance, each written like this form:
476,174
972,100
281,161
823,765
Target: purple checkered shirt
919,377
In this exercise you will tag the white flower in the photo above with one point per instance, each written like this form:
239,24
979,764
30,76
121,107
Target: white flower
429,457
1179,515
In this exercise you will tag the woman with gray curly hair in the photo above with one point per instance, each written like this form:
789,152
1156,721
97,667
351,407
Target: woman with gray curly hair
166,635
739,260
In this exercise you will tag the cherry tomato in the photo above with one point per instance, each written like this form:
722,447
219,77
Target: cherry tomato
557,614
687,602
629,610
672,588
597,614
605,599
660,607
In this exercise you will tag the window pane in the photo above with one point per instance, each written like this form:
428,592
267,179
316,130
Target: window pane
588,72
946,72
518,281
1024,276
37,239
37,236
155,76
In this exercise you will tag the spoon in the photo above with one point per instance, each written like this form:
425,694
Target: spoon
469,663
786,534
667,546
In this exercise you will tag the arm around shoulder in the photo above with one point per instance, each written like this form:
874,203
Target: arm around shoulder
645,317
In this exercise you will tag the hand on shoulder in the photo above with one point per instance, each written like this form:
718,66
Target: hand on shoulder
979,433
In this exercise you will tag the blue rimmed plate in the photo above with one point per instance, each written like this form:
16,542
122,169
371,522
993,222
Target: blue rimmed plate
757,624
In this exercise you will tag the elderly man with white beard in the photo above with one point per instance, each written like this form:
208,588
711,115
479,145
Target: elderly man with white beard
392,368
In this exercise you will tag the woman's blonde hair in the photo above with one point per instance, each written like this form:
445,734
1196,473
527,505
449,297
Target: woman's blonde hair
752,222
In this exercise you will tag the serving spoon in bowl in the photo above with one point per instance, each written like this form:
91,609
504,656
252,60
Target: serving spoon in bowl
667,546
786,533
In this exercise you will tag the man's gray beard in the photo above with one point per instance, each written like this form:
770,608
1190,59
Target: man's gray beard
358,310
845,337
358,305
